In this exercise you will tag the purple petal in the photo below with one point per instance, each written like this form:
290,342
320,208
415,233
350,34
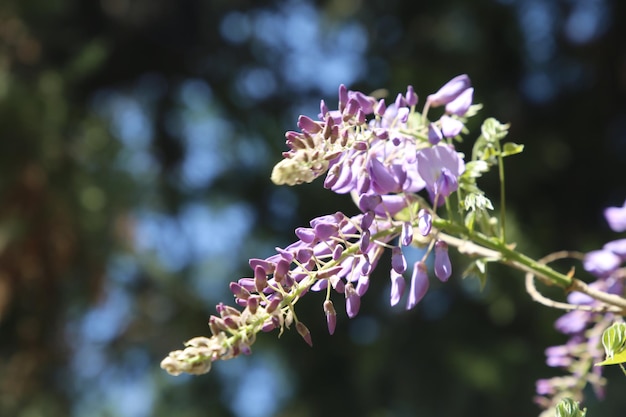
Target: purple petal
305,234
618,247
424,222
381,107
331,316
461,104
450,127
362,285
398,261
443,268
450,90
369,202
434,134
419,284
353,301
391,204
410,97
397,287
601,263
384,179
366,102
343,97
616,218
406,236
308,125
572,322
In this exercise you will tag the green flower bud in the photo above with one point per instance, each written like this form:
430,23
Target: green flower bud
569,408
614,339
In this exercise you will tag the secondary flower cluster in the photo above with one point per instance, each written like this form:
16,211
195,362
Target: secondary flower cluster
380,153
585,327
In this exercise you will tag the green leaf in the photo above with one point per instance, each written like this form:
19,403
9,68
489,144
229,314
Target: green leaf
615,360
511,148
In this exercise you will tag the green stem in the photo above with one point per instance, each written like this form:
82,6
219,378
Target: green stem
502,194
507,255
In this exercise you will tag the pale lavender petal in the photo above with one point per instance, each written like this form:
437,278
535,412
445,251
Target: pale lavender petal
406,236
397,287
461,104
419,284
449,91
353,301
450,127
308,125
398,261
369,202
618,247
410,97
572,322
443,267
616,217
601,263
362,285
343,97
424,222
434,134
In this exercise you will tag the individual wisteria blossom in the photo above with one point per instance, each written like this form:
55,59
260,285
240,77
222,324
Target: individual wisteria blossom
440,167
450,91
616,217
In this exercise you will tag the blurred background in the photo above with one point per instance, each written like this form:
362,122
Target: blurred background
136,142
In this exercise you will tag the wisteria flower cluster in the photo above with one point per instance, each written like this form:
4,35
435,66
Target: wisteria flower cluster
412,187
586,325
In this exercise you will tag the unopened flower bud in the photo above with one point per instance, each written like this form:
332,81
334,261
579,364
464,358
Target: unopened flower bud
461,104
239,291
419,284
424,222
443,268
304,332
274,303
398,261
434,134
253,303
410,97
353,301
231,322
397,287
260,279
308,125
331,316
569,408
450,90
406,236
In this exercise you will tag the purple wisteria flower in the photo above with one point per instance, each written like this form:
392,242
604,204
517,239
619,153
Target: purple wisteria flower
440,167
382,154
443,267
584,327
419,284
616,217
450,91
